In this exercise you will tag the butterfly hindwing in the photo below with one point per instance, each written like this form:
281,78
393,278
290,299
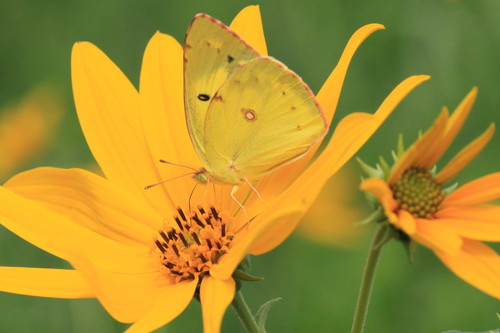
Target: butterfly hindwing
262,117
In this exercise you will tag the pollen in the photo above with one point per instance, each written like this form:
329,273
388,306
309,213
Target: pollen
193,242
418,193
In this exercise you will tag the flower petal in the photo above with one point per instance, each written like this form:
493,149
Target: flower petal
248,24
252,234
35,224
164,120
327,97
215,295
406,222
437,237
481,190
70,241
91,201
127,281
108,109
382,192
43,282
477,264
168,306
454,124
476,222
422,152
464,157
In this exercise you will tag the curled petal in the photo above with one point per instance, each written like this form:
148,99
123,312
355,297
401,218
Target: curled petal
382,192
406,222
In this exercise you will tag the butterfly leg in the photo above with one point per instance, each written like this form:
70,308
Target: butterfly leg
233,191
255,190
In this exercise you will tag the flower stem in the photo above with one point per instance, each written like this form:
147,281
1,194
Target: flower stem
245,314
367,282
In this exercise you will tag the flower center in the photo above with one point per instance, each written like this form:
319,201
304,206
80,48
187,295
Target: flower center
418,193
197,241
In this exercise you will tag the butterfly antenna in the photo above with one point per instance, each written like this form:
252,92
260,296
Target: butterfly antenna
166,181
191,195
180,165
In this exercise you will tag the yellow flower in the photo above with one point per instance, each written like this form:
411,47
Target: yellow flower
27,128
145,253
453,226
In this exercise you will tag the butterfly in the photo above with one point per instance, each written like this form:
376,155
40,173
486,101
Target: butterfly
247,114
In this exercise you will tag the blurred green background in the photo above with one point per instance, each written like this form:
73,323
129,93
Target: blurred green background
456,42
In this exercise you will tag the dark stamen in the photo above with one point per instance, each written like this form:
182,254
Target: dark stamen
160,246
207,219
186,244
181,213
196,239
202,211
223,230
178,221
209,243
162,234
214,212
197,220
175,250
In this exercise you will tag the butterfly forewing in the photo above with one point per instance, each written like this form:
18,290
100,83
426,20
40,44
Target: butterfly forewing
262,117
211,53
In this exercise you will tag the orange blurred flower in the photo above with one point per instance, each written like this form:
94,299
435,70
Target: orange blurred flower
27,128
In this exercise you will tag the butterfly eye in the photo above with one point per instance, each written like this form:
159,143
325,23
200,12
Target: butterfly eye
203,97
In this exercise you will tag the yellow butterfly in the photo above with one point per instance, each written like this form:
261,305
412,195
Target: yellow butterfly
247,114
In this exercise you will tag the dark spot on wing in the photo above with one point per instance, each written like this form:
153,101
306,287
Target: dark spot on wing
187,46
230,59
203,97
293,107
298,127
283,93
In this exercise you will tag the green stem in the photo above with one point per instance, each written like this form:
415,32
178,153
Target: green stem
244,313
367,282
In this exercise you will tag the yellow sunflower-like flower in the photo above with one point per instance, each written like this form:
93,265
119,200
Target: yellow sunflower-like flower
145,253
451,224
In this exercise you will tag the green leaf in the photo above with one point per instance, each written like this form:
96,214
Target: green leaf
261,315
244,276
